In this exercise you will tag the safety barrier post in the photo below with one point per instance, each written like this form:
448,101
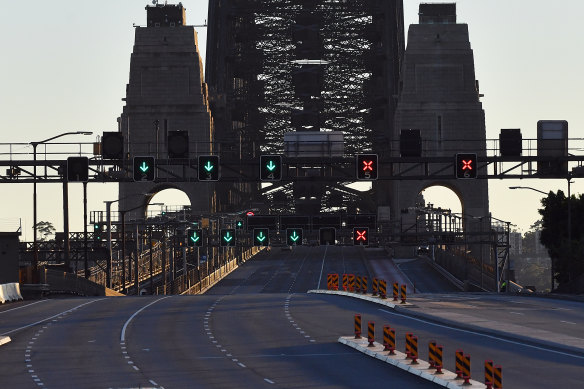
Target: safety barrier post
335,281
403,294
374,286
498,377
351,282
466,369
489,374
358,284
371,333
382,288
414,352
357,326
458,363
389,339
395,291
439,364
329,281
408,345
345,282
364,284
432,354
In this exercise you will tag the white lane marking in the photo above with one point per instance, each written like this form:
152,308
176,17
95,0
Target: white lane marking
484,335
136,368
24,306
48,318
123,335
241,364
153,383
269,381
322,267
567,322
516,313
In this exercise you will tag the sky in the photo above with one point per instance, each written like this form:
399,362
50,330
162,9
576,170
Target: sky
65,65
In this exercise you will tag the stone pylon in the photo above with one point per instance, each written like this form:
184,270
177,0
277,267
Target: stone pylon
166,92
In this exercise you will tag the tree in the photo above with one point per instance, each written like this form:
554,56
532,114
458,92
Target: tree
567,262
45,229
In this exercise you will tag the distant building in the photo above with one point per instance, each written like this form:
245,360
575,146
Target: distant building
515,243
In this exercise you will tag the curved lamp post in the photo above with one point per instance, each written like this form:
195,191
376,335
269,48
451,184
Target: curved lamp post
34,195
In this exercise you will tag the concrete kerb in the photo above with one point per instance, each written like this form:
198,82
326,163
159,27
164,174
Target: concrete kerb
403,309
422,369
375,299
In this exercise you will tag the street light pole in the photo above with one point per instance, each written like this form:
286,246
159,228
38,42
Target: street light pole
569,223
35,261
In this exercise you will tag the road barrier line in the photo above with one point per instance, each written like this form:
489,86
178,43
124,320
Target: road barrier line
358,284
123,334
374,286
403,294
345,282
395,291
50,318
364,284
351,282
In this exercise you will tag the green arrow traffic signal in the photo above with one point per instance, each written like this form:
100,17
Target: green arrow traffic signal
271,166
208,168
227,237
261,236
294,236
194,237
144,169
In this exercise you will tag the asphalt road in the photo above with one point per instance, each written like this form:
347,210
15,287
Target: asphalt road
257,328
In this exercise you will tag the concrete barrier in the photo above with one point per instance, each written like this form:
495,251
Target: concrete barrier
4,340
10,292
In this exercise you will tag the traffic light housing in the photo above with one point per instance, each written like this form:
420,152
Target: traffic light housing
367,167
227,237
208,168
270,167
261,236
112,145
178,144
361,236
294,236
194,237
327,236
144,169
77,169
466,165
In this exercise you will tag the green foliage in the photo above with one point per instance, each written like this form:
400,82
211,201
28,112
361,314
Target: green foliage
45,229
564,249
